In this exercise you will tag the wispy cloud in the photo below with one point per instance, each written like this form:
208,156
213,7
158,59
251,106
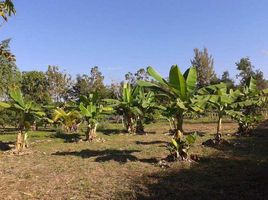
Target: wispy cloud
265,52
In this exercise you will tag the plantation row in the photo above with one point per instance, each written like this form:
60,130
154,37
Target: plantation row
172,98
33,98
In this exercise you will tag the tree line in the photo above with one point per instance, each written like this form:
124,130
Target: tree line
56,85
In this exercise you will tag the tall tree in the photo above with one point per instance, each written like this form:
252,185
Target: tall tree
225,78
87,84
261,82
96,82
141,74
59,83
34,86
204,64
114,90
9,73
81,86
246,71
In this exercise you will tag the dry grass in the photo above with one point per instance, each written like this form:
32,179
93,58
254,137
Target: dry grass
125,167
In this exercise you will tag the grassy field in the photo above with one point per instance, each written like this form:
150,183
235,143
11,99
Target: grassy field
121,166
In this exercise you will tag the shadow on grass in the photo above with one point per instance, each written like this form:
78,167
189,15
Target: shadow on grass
213,178
121,156
112,131
68,138
254,145
147,132
115,131
238,172
189,121
199,133
151,142
5,146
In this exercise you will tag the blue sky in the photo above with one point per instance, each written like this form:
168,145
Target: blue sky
125,35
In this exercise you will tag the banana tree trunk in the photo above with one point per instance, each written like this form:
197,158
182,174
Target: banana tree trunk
140,127
218,134
179,127
91,132
21,141
130,125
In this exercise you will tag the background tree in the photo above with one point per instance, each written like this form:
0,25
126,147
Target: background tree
261,82
225,78
141,74
59,83
96,81
81,86
85,84
246,71
204,64
115,90
35,87
9,73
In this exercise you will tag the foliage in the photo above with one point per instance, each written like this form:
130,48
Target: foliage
7,9
246,71
27,112
179,90
204,64
147,104
225,78
9,74
136,106
59,83
141,74
92,112
34,85
7,118
86,85
222,101
179,147
67,119
247,109
127,106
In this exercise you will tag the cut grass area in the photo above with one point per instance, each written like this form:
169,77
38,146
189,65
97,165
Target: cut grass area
125,166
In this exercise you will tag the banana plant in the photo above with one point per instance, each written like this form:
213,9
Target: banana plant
180,90
248,106
27,112
146,102
92,112
178,147
66,118
127,105
222,100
